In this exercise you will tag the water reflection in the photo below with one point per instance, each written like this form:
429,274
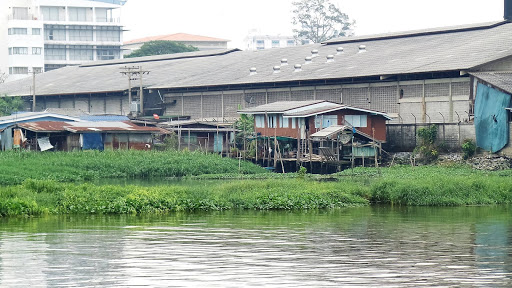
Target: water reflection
357,247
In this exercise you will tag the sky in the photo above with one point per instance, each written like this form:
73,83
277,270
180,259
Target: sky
232,19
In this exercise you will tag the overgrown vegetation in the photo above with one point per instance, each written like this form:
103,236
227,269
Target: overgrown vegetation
427,147
161,47
468,148
82,166
399,185
9,105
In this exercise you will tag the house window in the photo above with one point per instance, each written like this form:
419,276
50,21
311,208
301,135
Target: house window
275,43
357,120
324,121
260,44
290,42
17,31
36,50
283,122
294,123
271,121
36,31
259,121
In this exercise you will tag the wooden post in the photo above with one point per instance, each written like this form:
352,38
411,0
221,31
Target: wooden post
142,93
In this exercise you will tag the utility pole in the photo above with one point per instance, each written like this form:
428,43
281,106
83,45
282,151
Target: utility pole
134,73
33,90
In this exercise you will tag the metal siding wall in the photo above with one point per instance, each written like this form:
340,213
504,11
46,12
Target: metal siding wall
113,105
212,106
192,106
232,102
82,104
356,97
333,95
66,103
97,105
254,99
384,99
51,102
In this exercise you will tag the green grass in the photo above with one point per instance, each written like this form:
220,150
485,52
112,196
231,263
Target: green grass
15,167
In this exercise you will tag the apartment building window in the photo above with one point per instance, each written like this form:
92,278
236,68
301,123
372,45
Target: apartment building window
77,14
54,33
108,52
36,31
111,34
81,53
18,70
80,35
290,42
37,70
51,13
54,52
18,51
17,31
102,15
36,50
275,43
20,13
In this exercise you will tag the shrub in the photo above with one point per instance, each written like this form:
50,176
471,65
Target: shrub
469,148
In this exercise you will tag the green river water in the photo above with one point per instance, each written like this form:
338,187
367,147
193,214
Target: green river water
354,247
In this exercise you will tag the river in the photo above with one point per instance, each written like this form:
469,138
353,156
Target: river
354,247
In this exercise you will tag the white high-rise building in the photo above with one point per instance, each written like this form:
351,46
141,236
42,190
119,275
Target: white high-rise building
42,35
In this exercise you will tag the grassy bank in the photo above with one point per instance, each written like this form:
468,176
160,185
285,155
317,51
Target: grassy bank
15,167
425,186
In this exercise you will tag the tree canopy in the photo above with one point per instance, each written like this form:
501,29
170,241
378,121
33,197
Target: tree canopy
320,20
161,47
9,105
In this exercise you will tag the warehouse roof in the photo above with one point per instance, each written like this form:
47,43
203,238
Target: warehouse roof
502,80
439,50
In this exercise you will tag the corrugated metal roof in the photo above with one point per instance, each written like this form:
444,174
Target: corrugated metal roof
88,127
33,115
329,131
279,107
443,50
96,118
502,80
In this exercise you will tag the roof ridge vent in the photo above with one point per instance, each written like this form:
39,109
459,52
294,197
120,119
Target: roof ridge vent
277,69
253,71
330,58
314,53
362,48
284,62
308,59
297,67
339,50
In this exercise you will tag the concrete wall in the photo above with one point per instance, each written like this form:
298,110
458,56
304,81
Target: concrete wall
402,137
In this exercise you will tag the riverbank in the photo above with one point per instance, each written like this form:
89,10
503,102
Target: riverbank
403,186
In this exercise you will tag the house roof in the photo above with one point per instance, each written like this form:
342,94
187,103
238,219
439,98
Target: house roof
402,54
178,37
302,109
502,80
88,127
27,116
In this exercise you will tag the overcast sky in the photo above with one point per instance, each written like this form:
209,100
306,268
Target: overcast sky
232,19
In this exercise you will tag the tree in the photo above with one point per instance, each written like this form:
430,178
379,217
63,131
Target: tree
161,47
9,105
320,20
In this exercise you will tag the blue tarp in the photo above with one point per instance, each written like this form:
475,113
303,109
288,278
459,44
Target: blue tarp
491,118
92,141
